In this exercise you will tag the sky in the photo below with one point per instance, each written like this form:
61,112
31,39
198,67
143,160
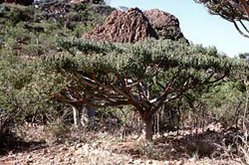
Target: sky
197,25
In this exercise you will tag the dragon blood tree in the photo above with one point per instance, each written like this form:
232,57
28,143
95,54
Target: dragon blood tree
145,75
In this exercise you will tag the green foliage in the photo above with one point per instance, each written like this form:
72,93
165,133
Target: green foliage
244,56
186,70
34,31
25,91
43,66
16,13
226,102
155,63
137,59
27,82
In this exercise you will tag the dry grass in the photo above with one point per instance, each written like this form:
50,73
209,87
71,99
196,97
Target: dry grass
182,147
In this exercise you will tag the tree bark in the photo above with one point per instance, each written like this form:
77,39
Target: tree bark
147,119
84,118
245,6
75,116
148,130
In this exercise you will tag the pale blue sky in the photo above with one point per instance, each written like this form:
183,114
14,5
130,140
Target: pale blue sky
196,23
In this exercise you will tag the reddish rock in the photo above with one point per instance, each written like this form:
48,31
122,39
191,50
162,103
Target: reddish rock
130,26
166,25
134,25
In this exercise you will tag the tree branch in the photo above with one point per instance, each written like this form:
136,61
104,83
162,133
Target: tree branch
244,26
138,103
238,29
245,6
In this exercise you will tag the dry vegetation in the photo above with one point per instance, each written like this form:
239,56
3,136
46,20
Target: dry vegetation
40,53
216,146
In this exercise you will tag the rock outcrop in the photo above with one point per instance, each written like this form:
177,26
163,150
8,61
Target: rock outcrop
130,26
134,25
166,25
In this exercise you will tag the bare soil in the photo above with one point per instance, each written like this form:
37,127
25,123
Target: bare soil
174,148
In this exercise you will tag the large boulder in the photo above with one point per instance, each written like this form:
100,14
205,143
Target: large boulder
130,26
134,25
166,25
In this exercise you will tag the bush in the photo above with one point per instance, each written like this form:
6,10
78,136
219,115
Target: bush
226,102
24,92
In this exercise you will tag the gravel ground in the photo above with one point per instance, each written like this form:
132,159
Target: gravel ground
97,153
105,149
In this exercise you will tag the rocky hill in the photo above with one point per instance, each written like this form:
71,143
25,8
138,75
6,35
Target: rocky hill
135,25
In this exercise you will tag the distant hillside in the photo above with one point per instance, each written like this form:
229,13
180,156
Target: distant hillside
35,29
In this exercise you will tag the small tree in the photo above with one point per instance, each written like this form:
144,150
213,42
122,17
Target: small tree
146,75
24,92
235,11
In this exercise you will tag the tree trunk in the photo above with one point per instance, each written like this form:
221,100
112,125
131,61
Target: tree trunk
84,119
76,117
148,130
147,119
